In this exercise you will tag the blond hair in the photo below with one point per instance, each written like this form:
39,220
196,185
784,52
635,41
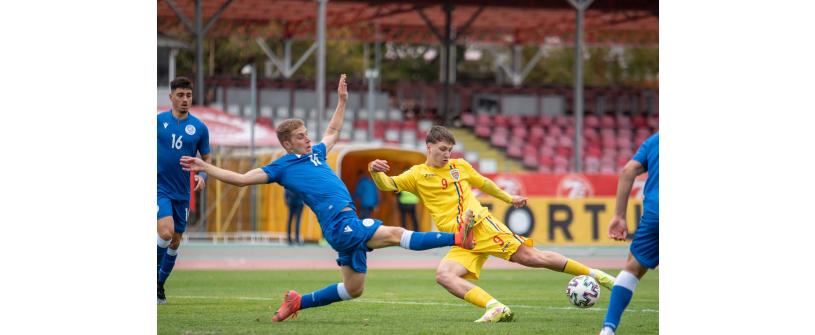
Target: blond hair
285,128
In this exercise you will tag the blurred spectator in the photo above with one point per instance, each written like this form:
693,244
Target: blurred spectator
367,194
407,206
295,203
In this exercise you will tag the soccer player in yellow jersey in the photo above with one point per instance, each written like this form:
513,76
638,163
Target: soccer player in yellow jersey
444,187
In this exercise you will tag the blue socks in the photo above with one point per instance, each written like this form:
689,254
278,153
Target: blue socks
428,240
329,294
161,246
167,265
621,294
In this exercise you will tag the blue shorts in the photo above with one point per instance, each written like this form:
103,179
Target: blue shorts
179,209
645,246
349,239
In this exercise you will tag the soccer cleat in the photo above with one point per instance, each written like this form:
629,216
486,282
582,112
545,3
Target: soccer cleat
605,279
607,331
290,306
499,313
464,236
161,298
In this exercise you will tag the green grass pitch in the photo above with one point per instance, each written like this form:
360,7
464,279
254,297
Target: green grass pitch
394,302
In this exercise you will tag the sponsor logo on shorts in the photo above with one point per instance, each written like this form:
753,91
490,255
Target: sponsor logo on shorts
189,129
347,229
368,222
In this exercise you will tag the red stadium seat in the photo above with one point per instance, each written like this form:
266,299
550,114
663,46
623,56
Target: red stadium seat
468,119
482,131
544,120
500,120
516,120
519,131
607,121
499,140
639,121
530,162
554,131
514,151
591,121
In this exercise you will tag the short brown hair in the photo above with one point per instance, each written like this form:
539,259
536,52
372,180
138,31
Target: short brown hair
180,82
285,128
439,133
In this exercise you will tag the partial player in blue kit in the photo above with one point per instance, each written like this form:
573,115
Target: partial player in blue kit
304,170
179,134
644,251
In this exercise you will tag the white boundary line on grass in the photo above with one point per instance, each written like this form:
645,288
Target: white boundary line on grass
378,301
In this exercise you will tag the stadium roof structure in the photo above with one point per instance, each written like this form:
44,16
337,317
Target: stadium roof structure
421,21
447,22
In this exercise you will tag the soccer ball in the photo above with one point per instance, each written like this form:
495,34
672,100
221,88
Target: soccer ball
583,291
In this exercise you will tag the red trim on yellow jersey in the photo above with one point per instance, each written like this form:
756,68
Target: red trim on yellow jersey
460,197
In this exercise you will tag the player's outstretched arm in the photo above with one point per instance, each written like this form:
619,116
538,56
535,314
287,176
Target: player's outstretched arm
377,169
253,177
332,132
200,182
617,228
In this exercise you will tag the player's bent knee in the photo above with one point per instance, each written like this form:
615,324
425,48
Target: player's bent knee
355,292
443,277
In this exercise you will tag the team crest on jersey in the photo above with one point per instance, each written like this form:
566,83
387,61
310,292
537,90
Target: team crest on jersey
454,173
368,222
190,129
165,125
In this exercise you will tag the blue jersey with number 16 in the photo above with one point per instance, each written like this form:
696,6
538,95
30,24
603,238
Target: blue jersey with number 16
178,138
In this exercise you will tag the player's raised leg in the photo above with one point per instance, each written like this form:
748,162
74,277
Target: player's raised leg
387,236
535,258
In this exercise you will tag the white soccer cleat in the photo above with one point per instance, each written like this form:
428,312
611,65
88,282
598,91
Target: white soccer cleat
498,313
607,331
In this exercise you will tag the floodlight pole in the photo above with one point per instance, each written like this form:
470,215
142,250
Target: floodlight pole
580,10
448,41
320,89
199,54
253,101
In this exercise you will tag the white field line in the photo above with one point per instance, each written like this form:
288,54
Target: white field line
403,302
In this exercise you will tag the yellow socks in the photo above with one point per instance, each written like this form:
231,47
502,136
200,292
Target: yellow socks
478,297
575,268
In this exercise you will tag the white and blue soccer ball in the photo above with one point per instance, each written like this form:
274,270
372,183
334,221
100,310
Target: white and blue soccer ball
583,291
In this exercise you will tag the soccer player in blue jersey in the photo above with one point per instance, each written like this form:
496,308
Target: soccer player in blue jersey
644,251
179,134
304,170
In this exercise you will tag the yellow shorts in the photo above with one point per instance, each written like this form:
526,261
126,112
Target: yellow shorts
492,238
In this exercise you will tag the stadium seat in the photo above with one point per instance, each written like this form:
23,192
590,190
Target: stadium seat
396,115
500,120
516,120
591,121
550,141
623,121
554,131
499,140
607,121
483,119
514,151
482,131
530,162
468,119
519,131
530,150
639,121
544,120
591,164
